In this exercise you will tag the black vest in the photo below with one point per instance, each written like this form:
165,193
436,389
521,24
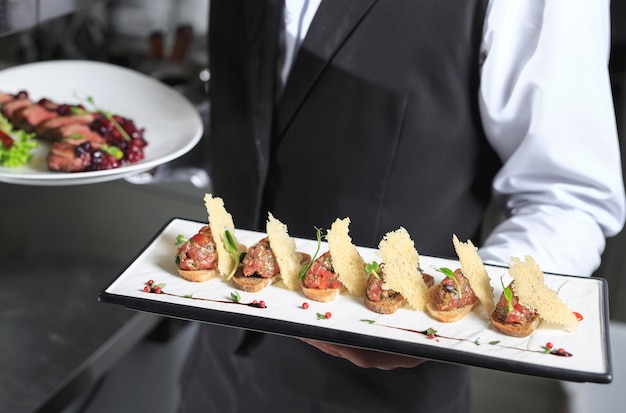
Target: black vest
378,122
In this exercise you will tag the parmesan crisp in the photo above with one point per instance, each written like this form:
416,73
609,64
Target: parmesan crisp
284,249
347,262
531,290
401,263
219,221
474,270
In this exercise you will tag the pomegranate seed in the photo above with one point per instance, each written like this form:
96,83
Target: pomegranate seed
146,288
157,289
255,302
328,314
150,282
561,351
305,305
262,304
549,345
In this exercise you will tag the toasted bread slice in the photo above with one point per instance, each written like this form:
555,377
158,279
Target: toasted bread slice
517,329
387,305
253,283
197,275
448,316
324,296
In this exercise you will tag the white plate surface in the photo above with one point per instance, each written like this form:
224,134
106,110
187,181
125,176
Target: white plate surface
172,125
471,341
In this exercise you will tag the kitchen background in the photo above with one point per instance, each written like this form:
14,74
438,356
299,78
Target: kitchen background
86,234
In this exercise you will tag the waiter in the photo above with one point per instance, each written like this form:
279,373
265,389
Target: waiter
413,113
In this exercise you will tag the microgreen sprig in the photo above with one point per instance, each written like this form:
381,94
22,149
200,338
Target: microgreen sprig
508,295
180,239
450,274
318,236
232,247
372,268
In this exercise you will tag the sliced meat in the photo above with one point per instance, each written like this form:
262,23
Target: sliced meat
46,130
77,132
28,117
62,157
5,98
9,108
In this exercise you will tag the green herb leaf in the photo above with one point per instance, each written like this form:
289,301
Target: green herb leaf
232,247
430,331
113,150
494,342
508,295
303,270
372,268
235,297
20,151
180,239
365,320
450,274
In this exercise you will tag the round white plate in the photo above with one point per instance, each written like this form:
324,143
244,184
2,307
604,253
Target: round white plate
172,124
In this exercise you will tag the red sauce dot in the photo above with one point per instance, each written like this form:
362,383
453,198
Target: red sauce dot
305,305
579,316
328,314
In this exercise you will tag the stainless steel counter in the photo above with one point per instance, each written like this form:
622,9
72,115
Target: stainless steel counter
59,247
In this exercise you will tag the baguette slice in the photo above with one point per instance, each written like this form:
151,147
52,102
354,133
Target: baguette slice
253,284
448,316
197,275
517,329
324,296
387,305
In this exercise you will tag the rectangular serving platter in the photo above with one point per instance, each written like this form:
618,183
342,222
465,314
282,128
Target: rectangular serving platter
471,341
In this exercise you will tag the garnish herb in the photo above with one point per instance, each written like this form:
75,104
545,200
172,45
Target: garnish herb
450,274
508,295
235,297
113,150
107,114
15,145
180,239
365,320
373,268
231,245
318,235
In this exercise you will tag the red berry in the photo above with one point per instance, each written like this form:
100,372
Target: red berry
561,351
150,282
328,314
255,302
157,289
549,345
431,336
146,288
305,305
262,304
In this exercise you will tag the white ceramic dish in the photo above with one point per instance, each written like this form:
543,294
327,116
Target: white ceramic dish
471,341
172,125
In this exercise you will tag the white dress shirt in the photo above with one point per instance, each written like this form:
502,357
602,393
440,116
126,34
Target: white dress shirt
547,110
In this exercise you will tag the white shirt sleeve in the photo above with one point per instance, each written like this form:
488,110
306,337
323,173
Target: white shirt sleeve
547,110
